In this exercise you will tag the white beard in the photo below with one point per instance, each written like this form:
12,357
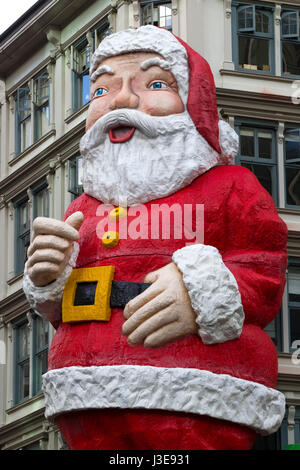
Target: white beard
164,155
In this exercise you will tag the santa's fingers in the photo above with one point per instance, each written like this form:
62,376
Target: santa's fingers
46,226
146,311
142,299
42,273
165,335
48,255
157,321
41,242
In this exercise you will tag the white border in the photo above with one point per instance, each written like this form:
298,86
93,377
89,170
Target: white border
174,389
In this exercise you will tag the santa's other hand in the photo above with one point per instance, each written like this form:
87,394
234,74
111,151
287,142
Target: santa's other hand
51,247
162,313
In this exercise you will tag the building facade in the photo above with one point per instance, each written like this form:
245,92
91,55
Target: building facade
253,48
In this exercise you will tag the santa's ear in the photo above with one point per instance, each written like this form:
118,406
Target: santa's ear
202,101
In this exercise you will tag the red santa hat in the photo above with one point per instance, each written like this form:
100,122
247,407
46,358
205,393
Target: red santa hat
193,75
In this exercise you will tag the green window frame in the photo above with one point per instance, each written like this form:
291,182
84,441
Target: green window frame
80,59
31,344
22,361
253,38
41,103
158,13
22,232
258,153
23,119
290,42
292,166
75,176
40,352
40,200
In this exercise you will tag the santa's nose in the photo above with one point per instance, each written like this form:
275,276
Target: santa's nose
125,98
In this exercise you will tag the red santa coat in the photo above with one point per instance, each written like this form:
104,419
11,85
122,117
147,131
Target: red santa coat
240,220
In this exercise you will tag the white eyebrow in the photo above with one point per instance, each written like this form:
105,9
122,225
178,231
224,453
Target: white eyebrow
100,71
163,64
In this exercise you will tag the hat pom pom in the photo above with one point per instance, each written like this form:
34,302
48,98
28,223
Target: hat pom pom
229,142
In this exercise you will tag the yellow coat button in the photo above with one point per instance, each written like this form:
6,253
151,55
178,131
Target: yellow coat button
110,239
117,214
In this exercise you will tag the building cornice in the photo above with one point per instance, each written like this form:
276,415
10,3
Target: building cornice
246,104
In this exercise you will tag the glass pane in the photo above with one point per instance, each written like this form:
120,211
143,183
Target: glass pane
79,172
42,88
265,147
292,144
262,20
23,380
271,329
41,368
291,58
294,284
23,211
263,174
292,176
42,333
42,120
165,16
25,134
254,53
85,89
290,24
147,15
24,103
23,342
247,142
294,324
245,18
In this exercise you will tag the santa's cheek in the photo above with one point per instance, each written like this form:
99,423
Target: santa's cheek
162,104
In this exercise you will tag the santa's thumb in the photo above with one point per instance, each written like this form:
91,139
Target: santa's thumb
75,220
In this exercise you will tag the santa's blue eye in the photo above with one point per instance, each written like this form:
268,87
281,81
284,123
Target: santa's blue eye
158,85
100,92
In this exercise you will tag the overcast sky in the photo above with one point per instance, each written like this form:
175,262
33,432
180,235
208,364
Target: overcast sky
11,10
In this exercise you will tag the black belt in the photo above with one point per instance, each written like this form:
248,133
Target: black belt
121,293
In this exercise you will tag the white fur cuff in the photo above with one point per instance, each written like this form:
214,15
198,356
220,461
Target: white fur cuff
213,291
39,297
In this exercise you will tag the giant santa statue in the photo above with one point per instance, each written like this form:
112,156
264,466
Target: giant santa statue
160,341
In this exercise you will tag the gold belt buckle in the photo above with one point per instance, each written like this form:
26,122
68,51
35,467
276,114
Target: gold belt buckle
99,280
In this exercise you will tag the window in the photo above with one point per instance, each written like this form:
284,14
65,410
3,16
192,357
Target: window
258,153
292,166
290,39
40,352
32,116
274,330
81,55
41,105
75,176
294,301
23,119
158,14
22,230
41,200
81,81
253,38
22,356
31,341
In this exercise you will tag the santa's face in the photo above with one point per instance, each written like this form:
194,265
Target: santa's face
134,81
140,142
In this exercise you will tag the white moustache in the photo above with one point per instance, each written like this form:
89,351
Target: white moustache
150,126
